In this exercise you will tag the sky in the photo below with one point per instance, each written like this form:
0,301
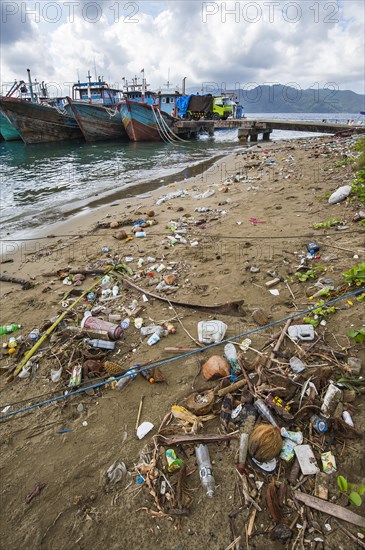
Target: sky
243,44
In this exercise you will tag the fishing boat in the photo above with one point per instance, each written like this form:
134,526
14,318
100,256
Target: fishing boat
95,107
39,121
141,115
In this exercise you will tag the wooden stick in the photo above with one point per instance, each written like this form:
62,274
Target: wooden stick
278,343
187,439
139,412
231,388
331,509
350,535
182,326
233,543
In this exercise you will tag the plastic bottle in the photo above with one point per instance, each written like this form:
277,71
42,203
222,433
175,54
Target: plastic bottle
319,424
125,323
264,410
231,356
128,376
154,329
242,453
330,401
6,329
152,340
102,344
205,469
34,334
312,247
147,374
115,290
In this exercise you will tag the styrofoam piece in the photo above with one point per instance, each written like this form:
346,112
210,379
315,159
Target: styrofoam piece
307,460
143,429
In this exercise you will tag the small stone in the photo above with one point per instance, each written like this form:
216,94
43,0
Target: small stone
355,365
260,317
254,269
80,408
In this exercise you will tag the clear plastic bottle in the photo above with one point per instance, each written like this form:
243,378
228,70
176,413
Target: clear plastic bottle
231,356
264,410
205,469
154,329
127,377
102,344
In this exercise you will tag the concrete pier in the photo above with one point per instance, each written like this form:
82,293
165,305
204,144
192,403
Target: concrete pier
249,130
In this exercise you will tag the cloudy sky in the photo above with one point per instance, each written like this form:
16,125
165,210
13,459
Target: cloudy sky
307,43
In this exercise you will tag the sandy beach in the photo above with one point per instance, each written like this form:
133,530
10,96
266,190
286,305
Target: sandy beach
245,221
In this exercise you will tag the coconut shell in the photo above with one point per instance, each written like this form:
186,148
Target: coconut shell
200,403
215,367
121,235
265,443
170,279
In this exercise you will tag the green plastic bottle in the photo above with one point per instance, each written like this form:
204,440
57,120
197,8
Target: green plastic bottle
6,329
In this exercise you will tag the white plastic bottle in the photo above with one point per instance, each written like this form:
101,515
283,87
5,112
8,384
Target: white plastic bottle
205,469
230,354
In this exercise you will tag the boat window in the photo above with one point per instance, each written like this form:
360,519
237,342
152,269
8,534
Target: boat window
164,100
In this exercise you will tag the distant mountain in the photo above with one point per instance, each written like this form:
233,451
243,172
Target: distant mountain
285,99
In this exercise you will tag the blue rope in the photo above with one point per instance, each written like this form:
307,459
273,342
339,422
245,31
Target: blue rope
187,354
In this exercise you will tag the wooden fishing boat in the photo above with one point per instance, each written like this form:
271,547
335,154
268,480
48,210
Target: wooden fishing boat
98,122
95,108
39,122
144,122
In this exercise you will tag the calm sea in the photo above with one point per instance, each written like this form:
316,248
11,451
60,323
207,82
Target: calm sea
45,183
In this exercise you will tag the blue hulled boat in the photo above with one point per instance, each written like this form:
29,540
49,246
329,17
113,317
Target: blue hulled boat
7,130
141,114
95,106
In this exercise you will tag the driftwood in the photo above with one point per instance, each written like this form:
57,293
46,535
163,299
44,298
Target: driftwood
231,388
74,272
233,309
331,509
25,284
187,439
278,344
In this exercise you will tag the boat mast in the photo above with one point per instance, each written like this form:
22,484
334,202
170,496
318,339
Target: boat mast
143,86
89,86
30,86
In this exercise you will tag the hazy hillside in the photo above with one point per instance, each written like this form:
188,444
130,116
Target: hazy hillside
285,99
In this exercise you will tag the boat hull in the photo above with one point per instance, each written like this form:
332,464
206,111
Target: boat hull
140,122
7,130
39,123
98,122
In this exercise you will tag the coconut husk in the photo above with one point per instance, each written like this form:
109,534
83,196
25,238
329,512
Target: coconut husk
265,443
215,367
200,403
274,502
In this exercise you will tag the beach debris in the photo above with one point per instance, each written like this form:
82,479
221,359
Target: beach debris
215,367
26,285
264,443
37,489
331,509
233,309
211,332
307,460
143,429
340,194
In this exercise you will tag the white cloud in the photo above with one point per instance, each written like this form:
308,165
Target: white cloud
300,41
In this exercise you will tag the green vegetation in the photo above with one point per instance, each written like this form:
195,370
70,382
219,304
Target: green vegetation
355,275
357,335
358,185
332,222
353,493
321,311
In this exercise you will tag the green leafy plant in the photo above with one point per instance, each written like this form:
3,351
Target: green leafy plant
332,222
357,335
317,314
355,275
353,493
304,276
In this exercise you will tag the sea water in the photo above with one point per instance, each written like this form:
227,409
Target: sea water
46,183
